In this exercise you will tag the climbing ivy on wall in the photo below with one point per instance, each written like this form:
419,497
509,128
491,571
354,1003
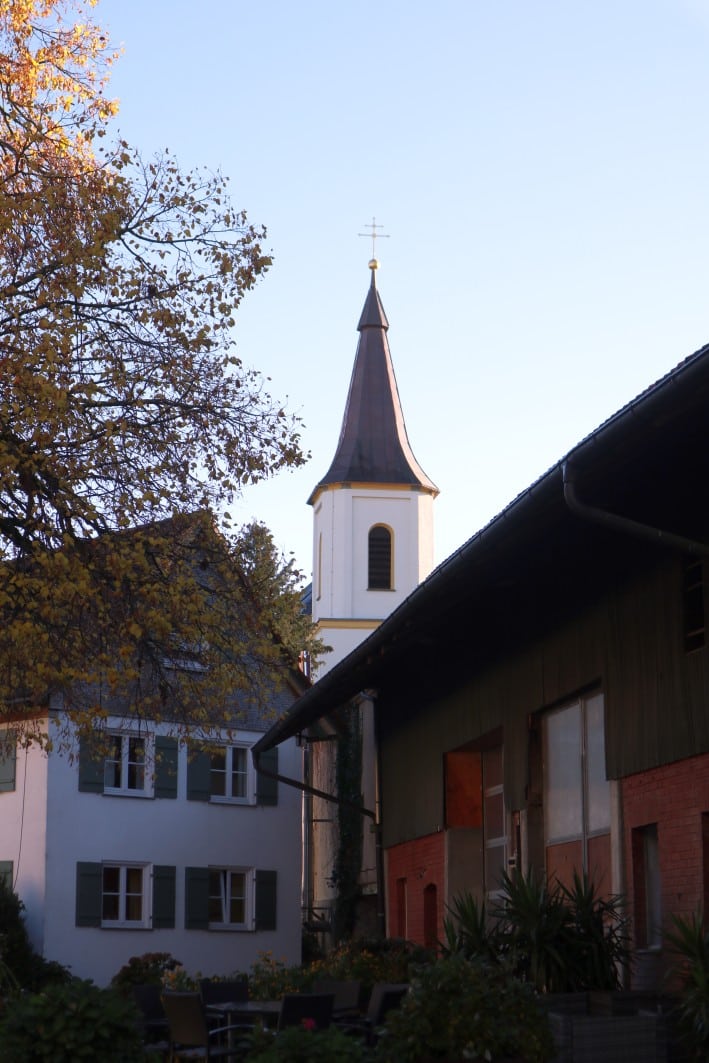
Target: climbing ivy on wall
348,856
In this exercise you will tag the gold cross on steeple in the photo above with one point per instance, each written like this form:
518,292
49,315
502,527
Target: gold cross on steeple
374,235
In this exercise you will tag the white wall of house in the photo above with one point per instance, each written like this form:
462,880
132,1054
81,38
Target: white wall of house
63,827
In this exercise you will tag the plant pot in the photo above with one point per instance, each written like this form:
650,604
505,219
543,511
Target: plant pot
610,1038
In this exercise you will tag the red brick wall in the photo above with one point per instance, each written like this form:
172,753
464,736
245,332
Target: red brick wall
674,797
421,863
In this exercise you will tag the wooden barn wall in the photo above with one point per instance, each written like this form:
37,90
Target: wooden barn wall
628,644
657,695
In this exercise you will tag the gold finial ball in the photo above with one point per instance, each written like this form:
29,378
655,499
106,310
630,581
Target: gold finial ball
373,264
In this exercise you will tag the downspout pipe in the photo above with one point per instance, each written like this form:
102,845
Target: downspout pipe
625,524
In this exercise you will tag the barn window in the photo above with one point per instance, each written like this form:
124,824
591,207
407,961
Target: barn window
576,791
646,886
380,554
693,604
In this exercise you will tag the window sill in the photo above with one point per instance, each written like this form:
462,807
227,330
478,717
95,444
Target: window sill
125,926
114,792
221,928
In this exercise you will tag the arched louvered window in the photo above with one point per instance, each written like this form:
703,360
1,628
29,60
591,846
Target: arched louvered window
380,558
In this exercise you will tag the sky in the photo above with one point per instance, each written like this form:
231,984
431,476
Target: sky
540,168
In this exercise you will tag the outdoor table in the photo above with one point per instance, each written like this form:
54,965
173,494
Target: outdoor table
232,1011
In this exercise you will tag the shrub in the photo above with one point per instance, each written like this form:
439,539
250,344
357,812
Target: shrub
15,947
462,1009
147,969
690,943
25,966
301,1045
9,986
178,980
70,1023
270,979
364,960
371,960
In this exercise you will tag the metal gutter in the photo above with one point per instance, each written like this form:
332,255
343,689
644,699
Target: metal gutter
625,524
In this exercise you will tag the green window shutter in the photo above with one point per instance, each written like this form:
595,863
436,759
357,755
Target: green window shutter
198,786
165,766
6,873
8,759
267,787
90,768
88,894
163,897
266,900
197,898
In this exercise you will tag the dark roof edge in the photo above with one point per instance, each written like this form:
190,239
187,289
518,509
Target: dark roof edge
309,705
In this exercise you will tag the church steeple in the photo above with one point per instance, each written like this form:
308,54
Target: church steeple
373,447
373,509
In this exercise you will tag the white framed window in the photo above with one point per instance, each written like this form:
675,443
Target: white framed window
230,774
127,768
230,893
124,901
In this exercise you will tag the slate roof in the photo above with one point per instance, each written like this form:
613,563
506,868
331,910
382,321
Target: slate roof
373,445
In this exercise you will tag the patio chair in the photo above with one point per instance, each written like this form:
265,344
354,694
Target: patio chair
297,1008
346,993
153,1024
385,996
190,1034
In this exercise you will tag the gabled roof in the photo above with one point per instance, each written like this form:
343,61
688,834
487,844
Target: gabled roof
621,497
373,447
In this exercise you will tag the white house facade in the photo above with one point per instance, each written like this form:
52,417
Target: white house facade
154,846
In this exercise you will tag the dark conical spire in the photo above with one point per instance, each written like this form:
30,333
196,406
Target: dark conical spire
372,315
373,445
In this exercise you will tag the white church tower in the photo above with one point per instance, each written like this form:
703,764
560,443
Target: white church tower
372,545
373,509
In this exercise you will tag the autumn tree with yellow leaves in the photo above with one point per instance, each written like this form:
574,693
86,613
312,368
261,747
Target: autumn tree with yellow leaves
126,419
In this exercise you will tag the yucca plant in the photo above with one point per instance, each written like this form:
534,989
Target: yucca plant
599,939
534,928
469,929
690,943
563,938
